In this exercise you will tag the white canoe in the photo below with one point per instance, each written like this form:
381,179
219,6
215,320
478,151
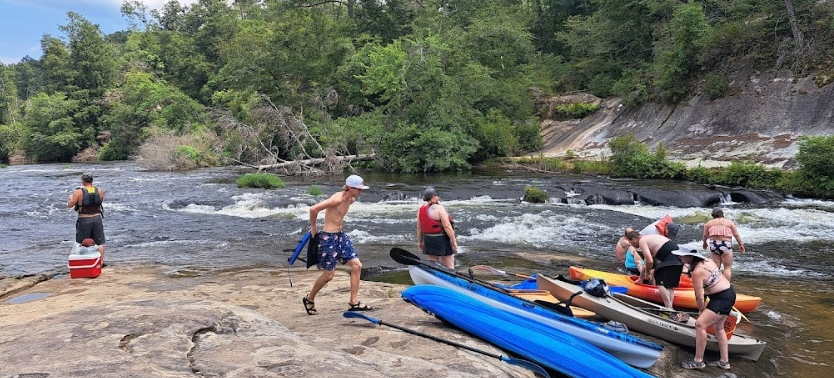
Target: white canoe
646,317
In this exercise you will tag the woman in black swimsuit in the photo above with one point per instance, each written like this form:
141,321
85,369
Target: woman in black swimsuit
708,283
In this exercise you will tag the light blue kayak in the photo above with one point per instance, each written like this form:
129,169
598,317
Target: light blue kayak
519,334
630,349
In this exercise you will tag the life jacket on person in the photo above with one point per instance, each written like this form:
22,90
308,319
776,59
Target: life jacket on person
90,201
662,224
429,225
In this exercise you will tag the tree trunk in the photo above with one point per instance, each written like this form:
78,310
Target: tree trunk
797,34
314,161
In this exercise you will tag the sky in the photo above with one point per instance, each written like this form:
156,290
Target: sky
24,22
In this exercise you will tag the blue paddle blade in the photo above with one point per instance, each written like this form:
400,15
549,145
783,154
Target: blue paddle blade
354,314
618,289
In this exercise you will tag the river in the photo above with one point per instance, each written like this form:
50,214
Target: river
201,221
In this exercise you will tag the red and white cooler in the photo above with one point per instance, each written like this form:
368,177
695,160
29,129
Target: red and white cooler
85,264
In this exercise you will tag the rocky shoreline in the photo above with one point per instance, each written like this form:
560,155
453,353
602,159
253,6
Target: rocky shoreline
142,321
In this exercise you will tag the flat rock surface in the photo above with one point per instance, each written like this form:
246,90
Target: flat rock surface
246,322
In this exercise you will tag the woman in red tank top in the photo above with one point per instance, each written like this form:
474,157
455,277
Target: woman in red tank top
435,234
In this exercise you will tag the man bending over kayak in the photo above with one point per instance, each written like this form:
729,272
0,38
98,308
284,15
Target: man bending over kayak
667,267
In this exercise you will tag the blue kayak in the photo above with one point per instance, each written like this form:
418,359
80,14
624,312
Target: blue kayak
630,349
519,334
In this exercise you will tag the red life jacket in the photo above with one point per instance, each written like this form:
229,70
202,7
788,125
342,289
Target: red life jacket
663,224
429,225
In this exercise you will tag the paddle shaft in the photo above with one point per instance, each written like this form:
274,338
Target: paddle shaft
489,269
513,361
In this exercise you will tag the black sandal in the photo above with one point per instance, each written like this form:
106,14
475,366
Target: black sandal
358,306
309,306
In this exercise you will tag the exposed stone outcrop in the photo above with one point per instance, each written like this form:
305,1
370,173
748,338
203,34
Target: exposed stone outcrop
761,119
245,322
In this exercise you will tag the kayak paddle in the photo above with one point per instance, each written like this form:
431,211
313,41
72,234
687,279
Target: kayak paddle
405,257
491,270
512,361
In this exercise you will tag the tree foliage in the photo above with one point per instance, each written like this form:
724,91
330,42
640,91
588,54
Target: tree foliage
51,134
816,165
420,86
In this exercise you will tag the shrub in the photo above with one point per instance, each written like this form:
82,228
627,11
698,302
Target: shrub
166,151
629,157
260,180
592,167
188,152
534,195
716,86
742,173
702,175
576,109
315,191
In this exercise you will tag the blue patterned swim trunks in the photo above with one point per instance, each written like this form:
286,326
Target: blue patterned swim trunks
334,247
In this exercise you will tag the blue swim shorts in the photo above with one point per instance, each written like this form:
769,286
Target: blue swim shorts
334,247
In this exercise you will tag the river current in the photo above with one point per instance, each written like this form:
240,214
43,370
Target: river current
200,220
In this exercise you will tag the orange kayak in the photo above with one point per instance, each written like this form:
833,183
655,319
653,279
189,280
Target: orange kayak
684,294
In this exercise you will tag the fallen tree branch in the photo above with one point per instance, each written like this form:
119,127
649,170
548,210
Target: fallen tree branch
316,161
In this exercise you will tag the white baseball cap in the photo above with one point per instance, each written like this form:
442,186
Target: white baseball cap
355,181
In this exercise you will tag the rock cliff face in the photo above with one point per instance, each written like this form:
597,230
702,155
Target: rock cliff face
761,119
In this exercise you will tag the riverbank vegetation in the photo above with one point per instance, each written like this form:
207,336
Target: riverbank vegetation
260,180
631,158
399,85
301,87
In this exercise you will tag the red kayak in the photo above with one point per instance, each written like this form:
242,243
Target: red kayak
684,294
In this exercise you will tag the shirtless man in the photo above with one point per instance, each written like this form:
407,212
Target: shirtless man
667,267
334,244
623,246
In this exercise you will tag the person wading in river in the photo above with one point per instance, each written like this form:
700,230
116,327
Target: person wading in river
720,232
334,245
667,268
86,200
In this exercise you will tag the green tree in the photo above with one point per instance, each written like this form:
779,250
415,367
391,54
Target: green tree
51,133
551,16
28,78
56,66
388,20
11,137
9,103
816,165
678,51
147,102
606,44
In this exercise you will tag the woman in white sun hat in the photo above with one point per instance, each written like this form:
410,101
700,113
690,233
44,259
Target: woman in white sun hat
708,282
